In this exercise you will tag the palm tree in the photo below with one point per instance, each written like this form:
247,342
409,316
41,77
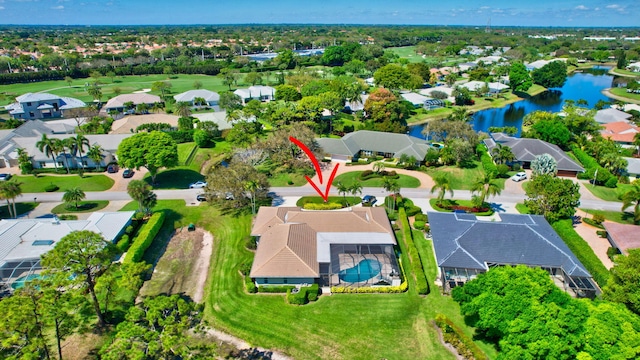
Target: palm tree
182,109
378,167
10,190
392,186
74,195
443,186
344,190
199,101
355,189
49,147
502,154
80,142
630,197
63,145
486,187
252,186
157,107
138,190
460,114
95,154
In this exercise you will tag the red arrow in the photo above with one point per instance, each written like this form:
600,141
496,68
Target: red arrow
316,165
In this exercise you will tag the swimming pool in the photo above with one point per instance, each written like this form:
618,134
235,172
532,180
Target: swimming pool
19,282
365,270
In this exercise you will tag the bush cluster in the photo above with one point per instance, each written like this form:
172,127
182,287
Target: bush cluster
409,207
593,222
123,243
412,252
602,233
487,162
322,206
422,217
371,289
456,337
590,164
304,295
418,225
145,237
369,174
51,188
612,253
275,288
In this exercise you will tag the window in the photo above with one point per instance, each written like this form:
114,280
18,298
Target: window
42,164
42,243
31,114
28,104
285,281
60,163
266,280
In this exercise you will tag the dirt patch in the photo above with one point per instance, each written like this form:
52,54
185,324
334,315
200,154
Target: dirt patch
184,266
81,346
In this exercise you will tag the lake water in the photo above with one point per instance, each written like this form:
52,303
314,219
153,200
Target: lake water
587,85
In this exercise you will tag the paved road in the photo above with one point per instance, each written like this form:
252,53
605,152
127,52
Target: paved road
189,195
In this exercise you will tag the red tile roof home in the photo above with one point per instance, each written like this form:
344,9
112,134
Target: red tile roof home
622,236
620,131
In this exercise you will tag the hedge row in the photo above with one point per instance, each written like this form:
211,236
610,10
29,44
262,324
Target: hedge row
369,174
323,206
590,164
278,289
123,243
412,252
456,337
371,289
145,237
582,250
304,295
487,162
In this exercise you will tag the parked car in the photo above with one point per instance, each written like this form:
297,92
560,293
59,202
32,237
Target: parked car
112,169
519,176
229,196
128,173
369,200
197,185
201,197
5,177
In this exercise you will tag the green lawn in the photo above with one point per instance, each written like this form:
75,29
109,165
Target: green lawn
83,206
459,179
127,84
175,178
522,208
282,179
21,208
615,216
608,194
219,152
622,92
348,178
32,184
184,151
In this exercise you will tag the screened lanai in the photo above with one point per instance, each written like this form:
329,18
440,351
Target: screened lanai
359,265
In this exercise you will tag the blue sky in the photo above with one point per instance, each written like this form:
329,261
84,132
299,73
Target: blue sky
415,12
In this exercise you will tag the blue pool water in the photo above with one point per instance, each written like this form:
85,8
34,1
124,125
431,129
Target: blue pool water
365,270
19,282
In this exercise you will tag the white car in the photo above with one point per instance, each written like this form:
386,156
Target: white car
519,176
198,185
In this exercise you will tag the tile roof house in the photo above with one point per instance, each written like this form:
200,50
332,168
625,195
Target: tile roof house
364,143
117,103
258,92
211,97
23,241
351,247
41,106
610,115
526,150
621,132
32,128
623,237
465,247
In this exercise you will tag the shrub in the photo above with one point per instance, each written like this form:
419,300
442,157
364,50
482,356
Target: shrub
413,210
422,217
145,237
412,252
123,243
458,339
312,292
138,216
371,289
322,206
427,228
487,162
299,298
598,218
250,243
51,188
612,253
395,227
592,223
612,182
418,225
366,173
129,230
516,167
275,288
502,170
68,217
250,285
602,233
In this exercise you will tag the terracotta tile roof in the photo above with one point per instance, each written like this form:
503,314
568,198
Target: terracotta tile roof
620,131
624,237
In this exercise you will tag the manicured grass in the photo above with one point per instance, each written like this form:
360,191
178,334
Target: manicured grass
176,178
83,206
203,156
32,184
184,150
434,205
522,208
351,200
459,179
622,92
582,251
615,216
439,113
608,194
282,179
348,178
21,208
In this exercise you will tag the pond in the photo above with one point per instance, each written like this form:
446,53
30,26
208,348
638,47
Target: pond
587,85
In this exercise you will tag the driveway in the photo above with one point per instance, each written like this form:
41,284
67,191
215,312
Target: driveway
598,245
121,183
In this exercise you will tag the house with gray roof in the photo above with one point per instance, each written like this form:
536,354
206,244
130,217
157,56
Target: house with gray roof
366,143
31,128
611,115
257,92
23,241
32,106
633,167
210,97
350,247
466,246
117,103
526,150
416,99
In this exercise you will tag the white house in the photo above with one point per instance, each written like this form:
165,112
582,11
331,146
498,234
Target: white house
416,99
41,106
258,92
635,67
117,103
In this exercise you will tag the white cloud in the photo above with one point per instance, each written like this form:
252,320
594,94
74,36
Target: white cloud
485,8
613,6
59,7
1,7
497,11
581,7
